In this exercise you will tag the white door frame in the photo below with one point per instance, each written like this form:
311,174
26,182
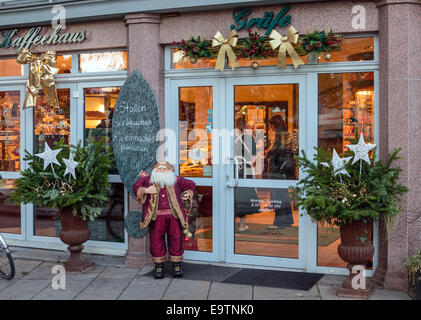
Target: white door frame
232,257
223,114
76,133
171,122
310,127
15,175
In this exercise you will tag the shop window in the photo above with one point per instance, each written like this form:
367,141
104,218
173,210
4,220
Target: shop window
103,61
201,221
10,130
51,124
195,131
179,61
346,106
46,222
64,64
267,131
108,226
10,68
9,212
353,49
99,108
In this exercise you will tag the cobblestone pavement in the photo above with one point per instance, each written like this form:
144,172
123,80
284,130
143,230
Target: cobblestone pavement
110,280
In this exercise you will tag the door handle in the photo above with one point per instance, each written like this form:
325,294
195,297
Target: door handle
243,163
236,173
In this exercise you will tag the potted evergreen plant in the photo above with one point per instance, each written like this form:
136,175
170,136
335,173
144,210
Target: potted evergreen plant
73,179
413,268
351,192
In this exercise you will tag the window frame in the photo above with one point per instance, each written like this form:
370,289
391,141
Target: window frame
74,81
311,71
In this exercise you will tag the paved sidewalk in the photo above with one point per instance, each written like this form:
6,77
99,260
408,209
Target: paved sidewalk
110,280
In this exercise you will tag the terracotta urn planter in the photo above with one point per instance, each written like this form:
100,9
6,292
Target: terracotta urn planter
357,249
74,232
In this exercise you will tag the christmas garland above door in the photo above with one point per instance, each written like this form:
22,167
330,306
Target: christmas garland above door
256,47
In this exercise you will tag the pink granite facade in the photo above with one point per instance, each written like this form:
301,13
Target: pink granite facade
400,126
306,17
145,54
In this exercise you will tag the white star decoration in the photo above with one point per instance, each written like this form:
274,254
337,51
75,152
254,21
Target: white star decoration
361,150
49,156
339,164
70,166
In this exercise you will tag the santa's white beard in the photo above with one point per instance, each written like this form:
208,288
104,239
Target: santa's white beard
166,178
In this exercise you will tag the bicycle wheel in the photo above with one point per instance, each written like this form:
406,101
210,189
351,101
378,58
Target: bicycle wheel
7,265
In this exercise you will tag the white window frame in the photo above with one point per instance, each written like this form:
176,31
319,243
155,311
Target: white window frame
75,81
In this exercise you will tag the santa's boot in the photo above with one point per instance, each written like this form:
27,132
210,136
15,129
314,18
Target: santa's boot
159,270
178,271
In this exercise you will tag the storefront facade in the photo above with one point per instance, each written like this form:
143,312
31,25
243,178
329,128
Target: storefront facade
365,86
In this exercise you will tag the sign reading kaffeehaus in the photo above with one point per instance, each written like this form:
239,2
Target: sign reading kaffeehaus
33,37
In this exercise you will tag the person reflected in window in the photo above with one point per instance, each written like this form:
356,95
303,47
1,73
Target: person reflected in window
245,149
280,164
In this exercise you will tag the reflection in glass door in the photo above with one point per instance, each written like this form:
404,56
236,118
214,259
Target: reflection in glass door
346,108
50,126
194,105
10,156
264,226
195,120
97,113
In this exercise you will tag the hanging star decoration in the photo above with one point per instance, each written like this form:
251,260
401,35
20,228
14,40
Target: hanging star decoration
70,166
361,150
338,164
49,156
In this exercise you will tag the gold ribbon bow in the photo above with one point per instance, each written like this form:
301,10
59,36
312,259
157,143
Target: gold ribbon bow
226,48
40,72
284,44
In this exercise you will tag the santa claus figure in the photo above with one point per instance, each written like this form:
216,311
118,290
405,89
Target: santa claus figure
161,196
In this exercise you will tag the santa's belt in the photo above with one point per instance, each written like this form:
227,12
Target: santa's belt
163,212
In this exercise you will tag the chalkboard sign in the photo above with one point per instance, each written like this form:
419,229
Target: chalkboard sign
134,129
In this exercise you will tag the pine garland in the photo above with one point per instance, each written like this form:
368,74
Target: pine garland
86,194
255,46
336,201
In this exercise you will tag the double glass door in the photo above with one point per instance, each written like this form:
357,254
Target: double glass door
237,138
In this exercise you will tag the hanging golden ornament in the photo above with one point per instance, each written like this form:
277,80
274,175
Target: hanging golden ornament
255,65
285,46
328,57
193,60
226,46
40,73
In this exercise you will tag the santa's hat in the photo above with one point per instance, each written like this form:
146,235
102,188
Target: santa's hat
168,165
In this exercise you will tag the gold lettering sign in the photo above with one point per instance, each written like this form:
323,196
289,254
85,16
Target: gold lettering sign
34,37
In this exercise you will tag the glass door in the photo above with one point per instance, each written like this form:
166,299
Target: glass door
94,114
191,122
263,224
47,125
12,127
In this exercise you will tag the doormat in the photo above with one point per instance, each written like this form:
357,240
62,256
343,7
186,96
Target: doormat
247,276
258,232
